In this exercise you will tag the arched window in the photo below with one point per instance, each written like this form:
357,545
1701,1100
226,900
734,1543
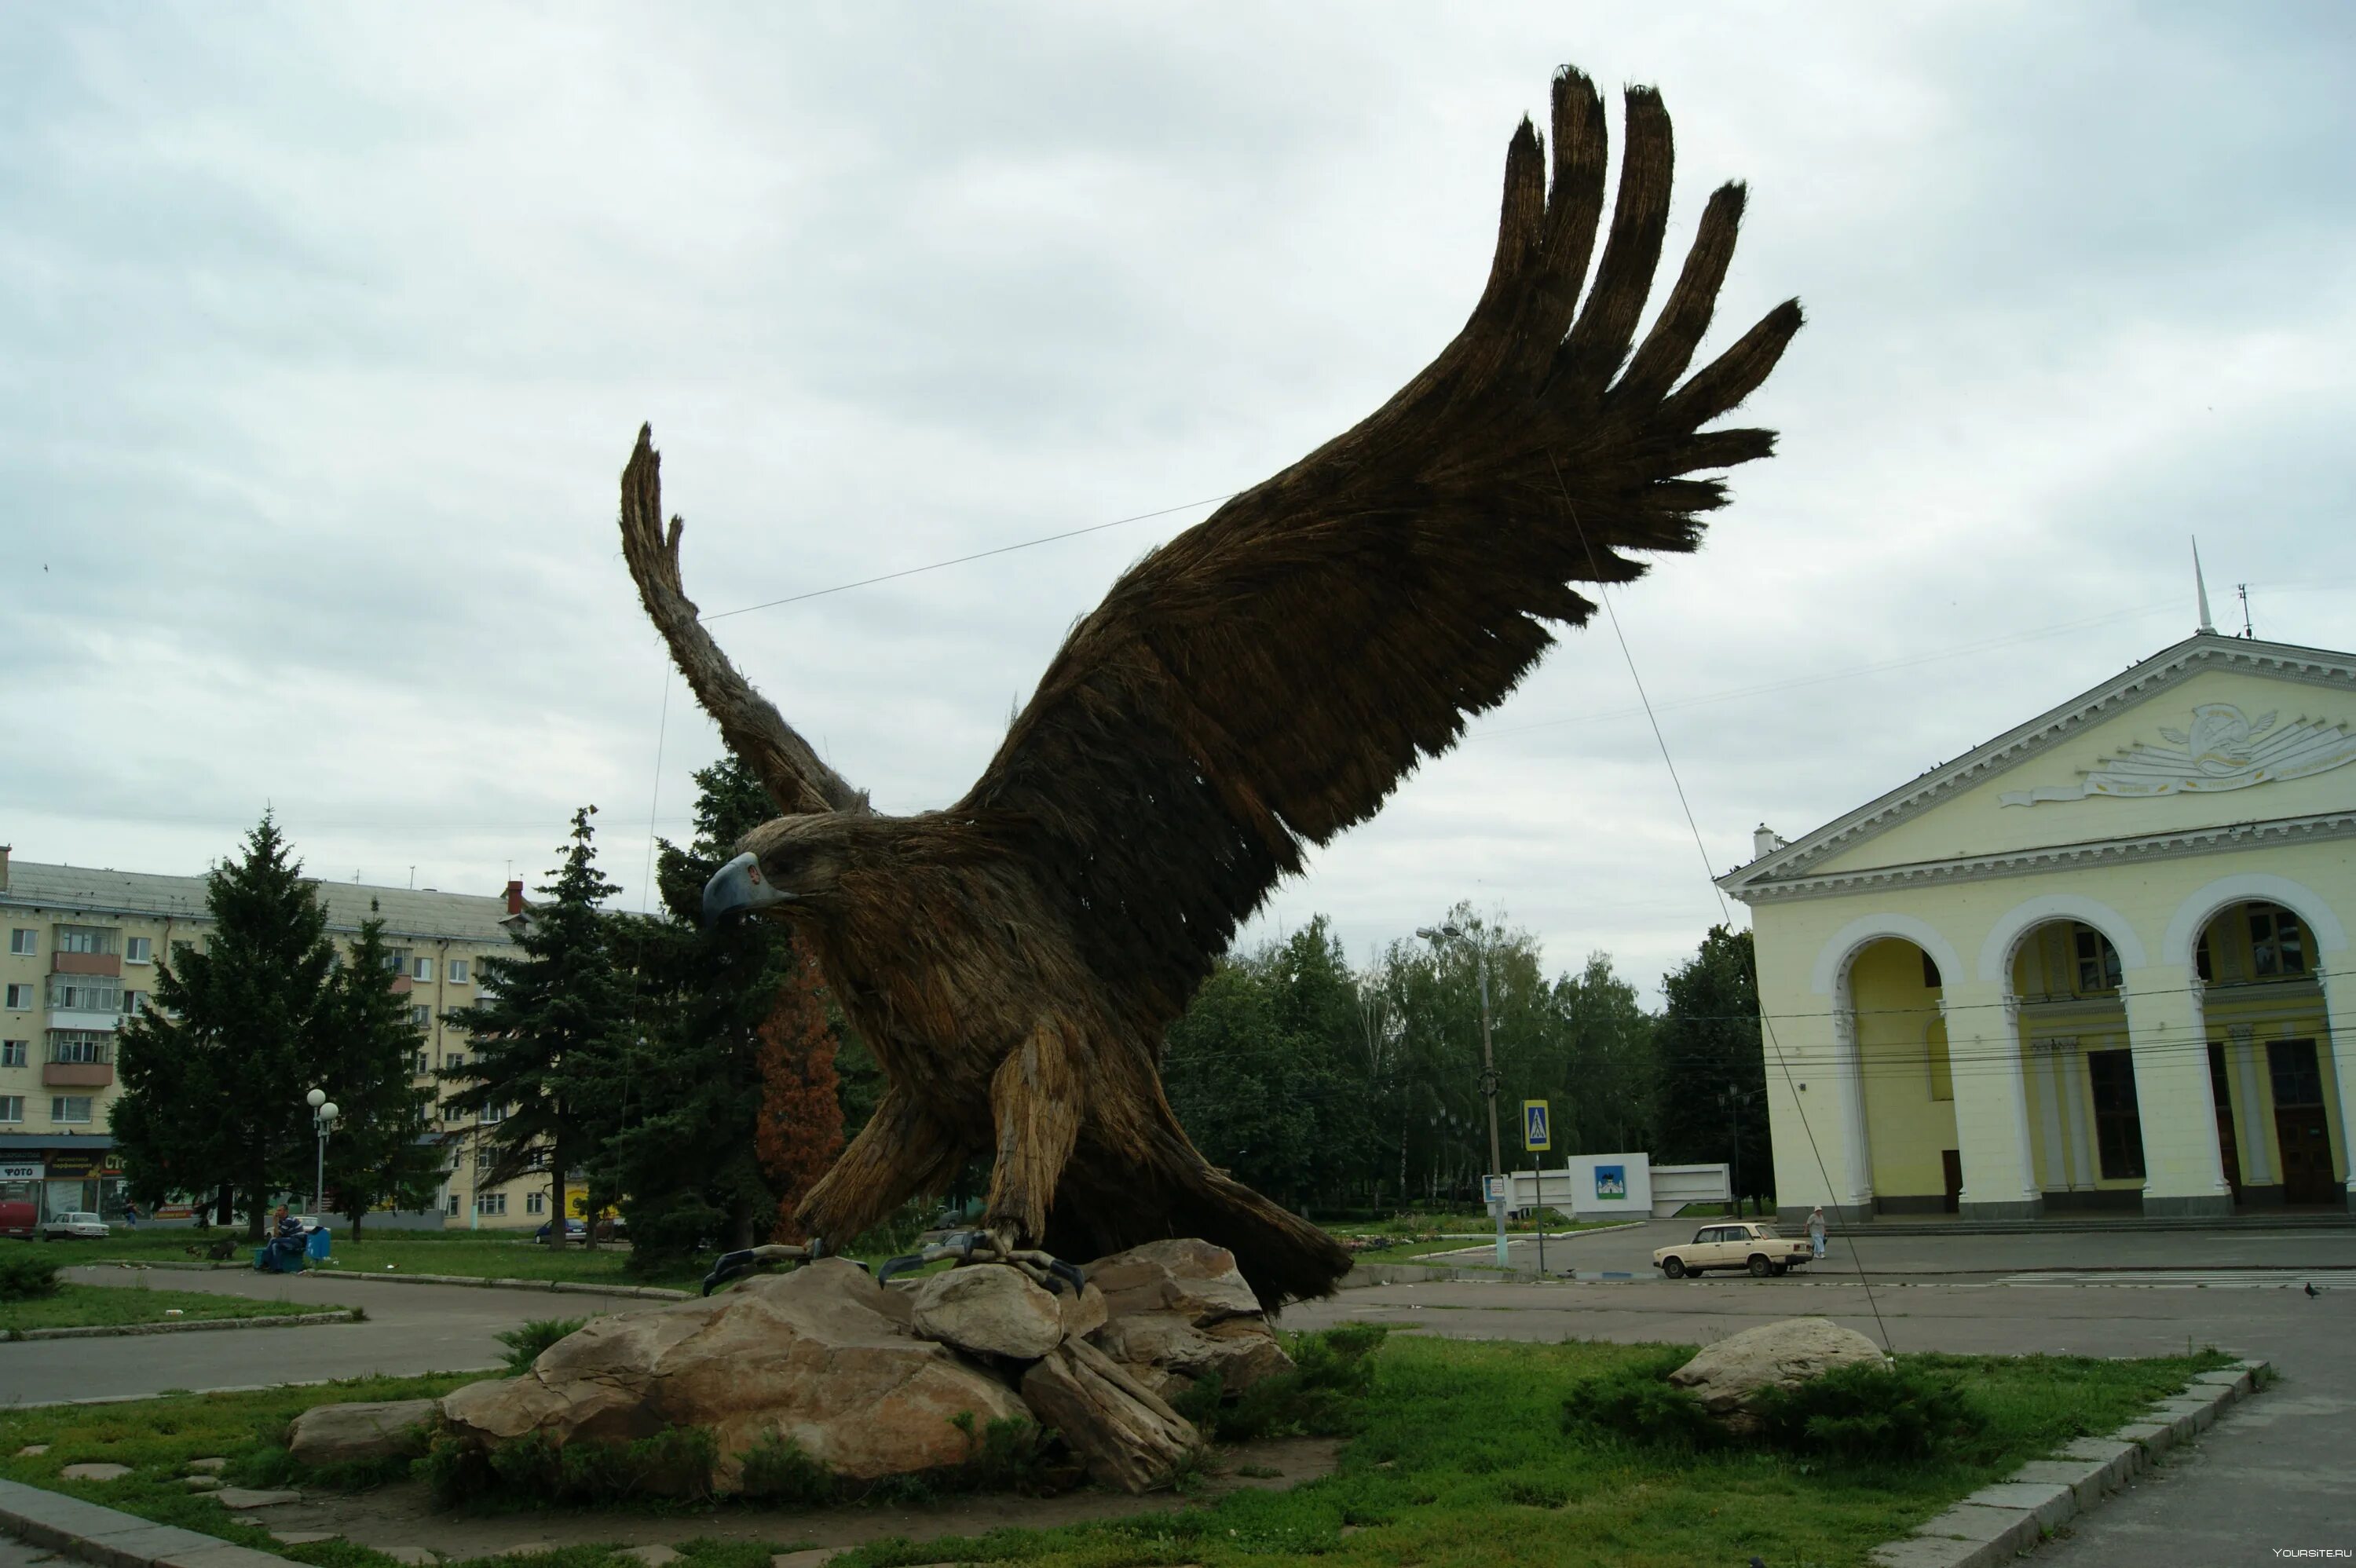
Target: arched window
2098,961
2277,943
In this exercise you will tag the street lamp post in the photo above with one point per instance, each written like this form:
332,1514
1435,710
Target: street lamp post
324,1113
1488,1077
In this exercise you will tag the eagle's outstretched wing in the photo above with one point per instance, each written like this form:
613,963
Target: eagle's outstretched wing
796,777
1270,675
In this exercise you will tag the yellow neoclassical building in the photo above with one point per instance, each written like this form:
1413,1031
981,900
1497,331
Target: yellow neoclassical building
2098,963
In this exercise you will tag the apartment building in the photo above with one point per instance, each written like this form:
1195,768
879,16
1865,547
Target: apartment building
83,946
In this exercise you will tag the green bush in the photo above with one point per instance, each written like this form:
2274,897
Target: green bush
1638,1401
1861,1414
1332,1369
1865,1413
1009,1453
676,1462
779,1470
525,1344
26,1276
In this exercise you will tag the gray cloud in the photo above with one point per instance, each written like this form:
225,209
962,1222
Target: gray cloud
324,333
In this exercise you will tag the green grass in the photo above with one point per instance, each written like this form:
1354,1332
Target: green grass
478,1254
83,1306
1461,1460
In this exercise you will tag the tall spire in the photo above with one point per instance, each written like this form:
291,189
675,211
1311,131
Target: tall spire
2201,587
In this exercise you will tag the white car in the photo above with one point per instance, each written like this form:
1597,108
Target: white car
1750,1244
77,1225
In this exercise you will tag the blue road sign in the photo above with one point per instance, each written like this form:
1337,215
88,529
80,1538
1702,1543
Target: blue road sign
1537,1136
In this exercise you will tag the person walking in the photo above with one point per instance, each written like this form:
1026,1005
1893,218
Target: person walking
1816,1231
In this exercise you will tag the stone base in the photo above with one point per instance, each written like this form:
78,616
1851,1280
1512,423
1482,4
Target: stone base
1909,1203
2095,1200
1792,1219
2270,1196
2200,1206
2014,1209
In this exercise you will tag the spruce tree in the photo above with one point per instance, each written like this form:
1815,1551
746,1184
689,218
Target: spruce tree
544,1046
379,1151
1711,1091
684,1155
214,1074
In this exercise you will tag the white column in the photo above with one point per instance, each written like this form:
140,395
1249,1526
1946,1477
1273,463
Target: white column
1991,1101
2242,1058
2342,1026
2182,1172
2082,1137
2048,1054
1856,1149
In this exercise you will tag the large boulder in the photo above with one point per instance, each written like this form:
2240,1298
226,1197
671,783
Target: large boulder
351,1434
1193,1278
1178,1311
991,1309
822,1357
1158,1345
1124,1433
1726,1376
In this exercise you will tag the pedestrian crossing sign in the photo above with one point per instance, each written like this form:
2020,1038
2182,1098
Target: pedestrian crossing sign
1537,1136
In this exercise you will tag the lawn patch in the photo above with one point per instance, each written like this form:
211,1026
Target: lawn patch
1460,1456
90,1305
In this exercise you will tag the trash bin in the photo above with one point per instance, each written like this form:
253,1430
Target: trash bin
318,1247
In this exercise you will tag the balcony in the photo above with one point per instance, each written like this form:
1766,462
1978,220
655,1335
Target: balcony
77,1074
86,963
77,1017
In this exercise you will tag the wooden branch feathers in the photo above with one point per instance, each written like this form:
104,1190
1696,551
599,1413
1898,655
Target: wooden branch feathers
795,776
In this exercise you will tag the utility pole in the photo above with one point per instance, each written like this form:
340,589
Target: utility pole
1488,1078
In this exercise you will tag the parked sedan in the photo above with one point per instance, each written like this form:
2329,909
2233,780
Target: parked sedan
574,1231
1750,1244
75,1225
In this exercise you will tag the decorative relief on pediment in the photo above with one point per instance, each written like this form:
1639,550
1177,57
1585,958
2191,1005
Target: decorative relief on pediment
2222,749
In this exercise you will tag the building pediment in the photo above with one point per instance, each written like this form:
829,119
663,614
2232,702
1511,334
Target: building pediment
2132,767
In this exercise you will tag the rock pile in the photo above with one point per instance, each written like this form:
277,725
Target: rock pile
871,1381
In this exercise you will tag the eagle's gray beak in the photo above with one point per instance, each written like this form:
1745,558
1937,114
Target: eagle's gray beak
739,889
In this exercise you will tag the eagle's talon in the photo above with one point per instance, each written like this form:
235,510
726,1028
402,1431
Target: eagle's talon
748,1260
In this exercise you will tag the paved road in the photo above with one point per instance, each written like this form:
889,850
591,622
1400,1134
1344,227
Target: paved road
1630,1250
410,1328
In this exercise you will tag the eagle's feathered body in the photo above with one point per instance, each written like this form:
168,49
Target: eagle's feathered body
1262,681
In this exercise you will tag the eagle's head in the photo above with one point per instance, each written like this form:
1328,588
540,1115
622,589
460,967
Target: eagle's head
791,861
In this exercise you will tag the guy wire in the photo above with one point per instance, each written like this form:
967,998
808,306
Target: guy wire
1603,595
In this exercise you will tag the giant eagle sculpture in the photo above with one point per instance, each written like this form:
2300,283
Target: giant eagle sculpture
1262,681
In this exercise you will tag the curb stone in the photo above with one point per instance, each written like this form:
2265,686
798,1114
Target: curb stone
2014,1515
189,1325
113,1539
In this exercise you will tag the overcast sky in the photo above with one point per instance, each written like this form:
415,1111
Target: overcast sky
324,331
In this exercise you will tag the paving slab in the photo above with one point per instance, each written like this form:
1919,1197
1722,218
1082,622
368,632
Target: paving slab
2087,1479
2051,1504
653,1556
208,1465
2012,1529
252,1498
95,1472
415,1556
1929,1551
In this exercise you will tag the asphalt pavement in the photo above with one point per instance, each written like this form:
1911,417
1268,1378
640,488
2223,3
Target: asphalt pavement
410,1328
